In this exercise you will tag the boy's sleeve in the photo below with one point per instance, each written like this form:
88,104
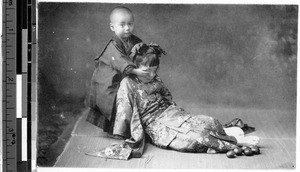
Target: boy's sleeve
128,69
117,60
122,63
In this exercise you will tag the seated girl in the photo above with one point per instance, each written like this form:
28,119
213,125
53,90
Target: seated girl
145,110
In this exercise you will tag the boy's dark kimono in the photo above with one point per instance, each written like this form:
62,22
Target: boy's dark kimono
111,66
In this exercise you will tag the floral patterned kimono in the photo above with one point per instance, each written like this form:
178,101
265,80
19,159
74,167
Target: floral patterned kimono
146,109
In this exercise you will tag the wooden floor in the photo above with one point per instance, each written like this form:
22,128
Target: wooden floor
277,130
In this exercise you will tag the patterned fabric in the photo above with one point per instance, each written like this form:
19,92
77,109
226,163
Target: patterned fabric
112,65
114,151
147,109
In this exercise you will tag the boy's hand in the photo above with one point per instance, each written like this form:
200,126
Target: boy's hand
140,72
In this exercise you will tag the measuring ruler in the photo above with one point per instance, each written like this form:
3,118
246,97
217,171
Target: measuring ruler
19,63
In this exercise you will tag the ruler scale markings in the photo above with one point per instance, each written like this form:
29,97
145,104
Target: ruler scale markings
9,120
19,30
20,78
23,23
19,37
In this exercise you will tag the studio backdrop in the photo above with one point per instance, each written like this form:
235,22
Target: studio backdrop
236,55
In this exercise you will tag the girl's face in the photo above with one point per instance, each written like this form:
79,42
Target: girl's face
152,73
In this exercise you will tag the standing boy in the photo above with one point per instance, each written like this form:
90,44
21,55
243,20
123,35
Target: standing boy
112,65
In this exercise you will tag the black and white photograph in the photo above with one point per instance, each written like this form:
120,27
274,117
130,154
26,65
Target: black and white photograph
166,85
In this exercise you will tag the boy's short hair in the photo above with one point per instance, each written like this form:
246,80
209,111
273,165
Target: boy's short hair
119,9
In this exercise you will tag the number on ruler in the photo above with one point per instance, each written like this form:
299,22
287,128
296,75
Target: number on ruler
10,2
13,139
10,79
10,129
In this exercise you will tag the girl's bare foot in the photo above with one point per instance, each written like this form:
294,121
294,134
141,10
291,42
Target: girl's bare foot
242,140
248,140
211,151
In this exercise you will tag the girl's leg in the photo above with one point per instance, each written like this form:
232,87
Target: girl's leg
200,143
202,127
186,143
236,132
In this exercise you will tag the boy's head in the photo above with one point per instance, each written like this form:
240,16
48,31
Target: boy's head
121,21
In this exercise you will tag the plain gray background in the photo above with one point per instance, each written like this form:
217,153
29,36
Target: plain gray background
223,55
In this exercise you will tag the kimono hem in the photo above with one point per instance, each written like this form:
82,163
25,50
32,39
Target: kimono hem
147,109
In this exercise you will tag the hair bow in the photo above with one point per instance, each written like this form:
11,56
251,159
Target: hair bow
158,50
143,49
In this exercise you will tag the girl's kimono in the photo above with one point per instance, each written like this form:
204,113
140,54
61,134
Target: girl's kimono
111,67
146,110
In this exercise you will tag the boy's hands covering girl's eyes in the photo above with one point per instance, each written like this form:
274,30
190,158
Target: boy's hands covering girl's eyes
140,72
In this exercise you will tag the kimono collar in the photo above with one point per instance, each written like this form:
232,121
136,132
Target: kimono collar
132,39
120,45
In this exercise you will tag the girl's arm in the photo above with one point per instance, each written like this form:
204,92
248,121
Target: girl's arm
165,91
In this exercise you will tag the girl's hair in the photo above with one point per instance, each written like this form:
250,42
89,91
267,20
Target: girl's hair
148,56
